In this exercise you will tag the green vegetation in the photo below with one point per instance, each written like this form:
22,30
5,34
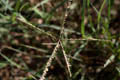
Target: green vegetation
59,40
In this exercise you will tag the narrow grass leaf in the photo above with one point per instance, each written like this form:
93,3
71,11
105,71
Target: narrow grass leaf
40,13
80,49
83,17
11,61
3,64
17,5
100,11
112,57
35,48
22,19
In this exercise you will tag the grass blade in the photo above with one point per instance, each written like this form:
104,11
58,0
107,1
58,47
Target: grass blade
11,61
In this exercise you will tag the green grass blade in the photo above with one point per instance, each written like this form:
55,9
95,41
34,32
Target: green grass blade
100,11
17,5
11,61
3,64
22,19
83,17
